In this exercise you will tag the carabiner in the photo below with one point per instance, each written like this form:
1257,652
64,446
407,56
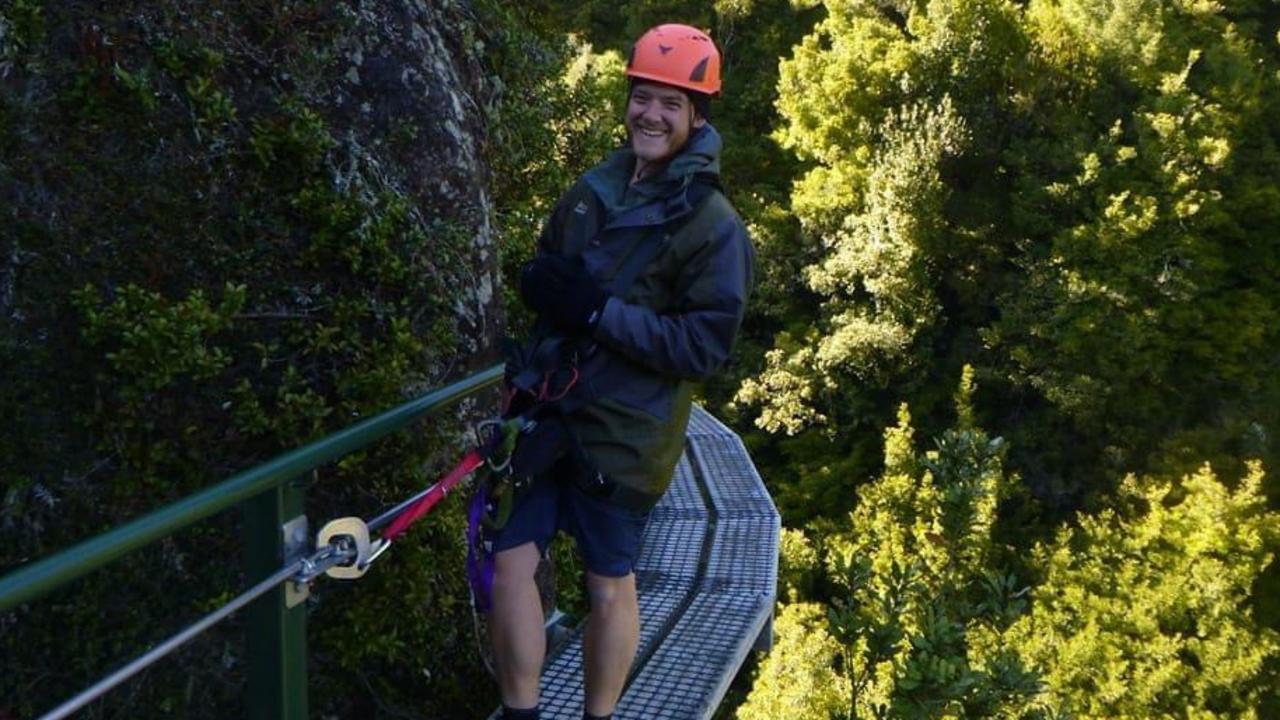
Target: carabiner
382,545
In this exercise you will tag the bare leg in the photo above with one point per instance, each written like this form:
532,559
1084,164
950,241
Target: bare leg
519,642
613,632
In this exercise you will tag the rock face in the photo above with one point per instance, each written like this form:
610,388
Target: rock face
227,228
379,99
409,70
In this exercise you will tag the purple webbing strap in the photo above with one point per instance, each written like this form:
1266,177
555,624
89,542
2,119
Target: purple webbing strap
479,558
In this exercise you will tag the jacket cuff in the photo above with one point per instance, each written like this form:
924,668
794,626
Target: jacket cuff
608,317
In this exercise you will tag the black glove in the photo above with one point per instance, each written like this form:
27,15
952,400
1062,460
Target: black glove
561,290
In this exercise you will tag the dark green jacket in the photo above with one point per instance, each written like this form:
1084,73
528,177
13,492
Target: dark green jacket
676,323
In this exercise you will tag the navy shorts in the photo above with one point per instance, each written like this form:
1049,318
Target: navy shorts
608,536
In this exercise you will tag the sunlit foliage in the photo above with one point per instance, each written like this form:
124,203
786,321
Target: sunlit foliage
1142,612
1138,611
1076,197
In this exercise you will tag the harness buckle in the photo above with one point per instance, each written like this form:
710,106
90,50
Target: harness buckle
496,439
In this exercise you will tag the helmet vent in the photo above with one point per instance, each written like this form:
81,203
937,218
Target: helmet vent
700,70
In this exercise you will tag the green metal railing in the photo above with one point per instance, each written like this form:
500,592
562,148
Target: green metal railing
271,496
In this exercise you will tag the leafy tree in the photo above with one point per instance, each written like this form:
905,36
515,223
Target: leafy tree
798,565
914,574
1077,197
1142,612
799,680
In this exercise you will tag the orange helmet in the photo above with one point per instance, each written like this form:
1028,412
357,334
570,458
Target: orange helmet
677,55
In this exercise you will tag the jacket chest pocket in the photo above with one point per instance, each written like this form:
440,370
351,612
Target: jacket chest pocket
612,255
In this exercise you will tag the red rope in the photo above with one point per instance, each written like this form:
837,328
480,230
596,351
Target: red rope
545,396
414,512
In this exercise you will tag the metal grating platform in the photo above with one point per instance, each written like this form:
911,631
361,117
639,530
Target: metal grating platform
738,490
745,557
672,547
706,575
562,682
702,422
683,499
689,673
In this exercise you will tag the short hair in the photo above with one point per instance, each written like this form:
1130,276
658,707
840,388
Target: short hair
701,102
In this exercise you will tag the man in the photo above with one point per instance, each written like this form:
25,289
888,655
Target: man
652,211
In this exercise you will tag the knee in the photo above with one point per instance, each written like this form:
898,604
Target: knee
515,568
609,594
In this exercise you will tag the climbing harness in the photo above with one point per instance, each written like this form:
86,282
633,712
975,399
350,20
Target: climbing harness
530,445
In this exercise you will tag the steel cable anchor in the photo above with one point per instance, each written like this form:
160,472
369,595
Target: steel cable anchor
350,535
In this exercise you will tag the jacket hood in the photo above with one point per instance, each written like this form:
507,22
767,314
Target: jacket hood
610,180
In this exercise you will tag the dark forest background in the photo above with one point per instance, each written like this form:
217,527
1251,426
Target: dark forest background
1011,371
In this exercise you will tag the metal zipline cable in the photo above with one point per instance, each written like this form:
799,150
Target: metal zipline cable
102,686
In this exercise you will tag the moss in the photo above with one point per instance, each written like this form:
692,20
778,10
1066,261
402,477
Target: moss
208,258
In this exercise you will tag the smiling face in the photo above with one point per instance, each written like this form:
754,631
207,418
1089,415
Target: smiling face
659,121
